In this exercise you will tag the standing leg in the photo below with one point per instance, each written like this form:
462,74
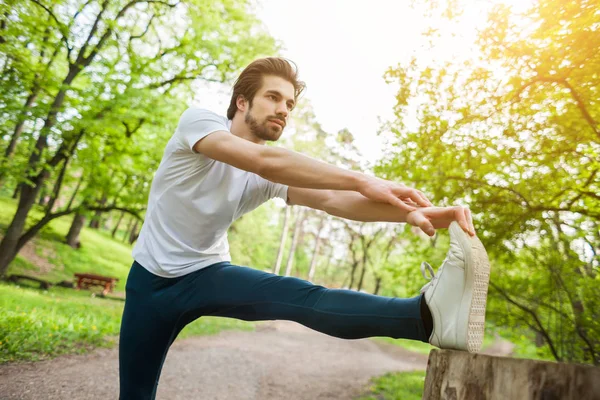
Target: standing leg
145,337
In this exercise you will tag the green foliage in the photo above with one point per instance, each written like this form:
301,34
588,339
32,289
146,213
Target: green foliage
254,238
397,386
92,91
513,134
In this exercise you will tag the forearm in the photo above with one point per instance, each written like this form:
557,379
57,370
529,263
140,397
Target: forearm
356,207
294,169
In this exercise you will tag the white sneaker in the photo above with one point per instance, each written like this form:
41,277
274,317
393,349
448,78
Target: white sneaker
457,295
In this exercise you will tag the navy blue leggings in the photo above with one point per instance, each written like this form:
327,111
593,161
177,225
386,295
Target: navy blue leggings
157,309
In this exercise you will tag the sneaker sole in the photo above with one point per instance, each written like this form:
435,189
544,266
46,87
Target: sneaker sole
473,304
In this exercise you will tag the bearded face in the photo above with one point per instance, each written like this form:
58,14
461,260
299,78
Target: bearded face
267,112
268,128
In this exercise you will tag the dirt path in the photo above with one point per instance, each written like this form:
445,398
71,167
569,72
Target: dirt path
281,360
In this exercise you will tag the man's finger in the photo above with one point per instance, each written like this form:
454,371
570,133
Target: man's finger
470,220
415,196
424,224
462,219
429,203
393,200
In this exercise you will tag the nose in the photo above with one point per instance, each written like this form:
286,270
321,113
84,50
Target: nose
282,109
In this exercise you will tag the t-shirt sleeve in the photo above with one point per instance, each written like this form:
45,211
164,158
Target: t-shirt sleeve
269,190
196,123
276,190
259,190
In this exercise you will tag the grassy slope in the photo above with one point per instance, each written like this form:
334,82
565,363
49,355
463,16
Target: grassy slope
99,252
38,324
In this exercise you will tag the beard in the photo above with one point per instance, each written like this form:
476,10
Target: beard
263,130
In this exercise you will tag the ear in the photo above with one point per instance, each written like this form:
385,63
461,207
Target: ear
241,103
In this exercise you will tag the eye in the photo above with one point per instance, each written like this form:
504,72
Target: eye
273,97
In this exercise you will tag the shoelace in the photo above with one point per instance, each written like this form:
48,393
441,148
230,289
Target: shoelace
425,267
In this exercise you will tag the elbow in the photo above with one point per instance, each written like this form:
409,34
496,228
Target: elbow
329,203
265,163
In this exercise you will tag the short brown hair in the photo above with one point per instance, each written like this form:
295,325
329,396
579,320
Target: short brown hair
251,79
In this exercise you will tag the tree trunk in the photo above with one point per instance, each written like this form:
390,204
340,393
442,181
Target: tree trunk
114,231
42,201
9,244
352,272
329,258
75,230
313,261
284,233
290,260
461,375
539,340
96,219
366,245
362,275
133,235
8,153
128,230
75,192
377,285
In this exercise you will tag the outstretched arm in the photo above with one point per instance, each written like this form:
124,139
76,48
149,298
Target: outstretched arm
354,206
293,169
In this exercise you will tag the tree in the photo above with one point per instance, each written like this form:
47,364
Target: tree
105,70
282,240
513,132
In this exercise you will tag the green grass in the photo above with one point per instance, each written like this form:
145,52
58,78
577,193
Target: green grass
37,324
396,386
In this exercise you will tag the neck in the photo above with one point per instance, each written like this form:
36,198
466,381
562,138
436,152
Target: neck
240,128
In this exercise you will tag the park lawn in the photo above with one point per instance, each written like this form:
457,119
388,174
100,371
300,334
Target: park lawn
396,386
37,324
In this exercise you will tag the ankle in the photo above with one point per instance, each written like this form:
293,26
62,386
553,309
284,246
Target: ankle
426,317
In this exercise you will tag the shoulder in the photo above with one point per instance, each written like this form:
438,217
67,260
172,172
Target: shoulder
194,114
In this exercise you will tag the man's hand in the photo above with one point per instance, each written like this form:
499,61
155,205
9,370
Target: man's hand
431,218
394,193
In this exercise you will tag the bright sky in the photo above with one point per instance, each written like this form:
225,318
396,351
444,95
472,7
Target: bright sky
342,49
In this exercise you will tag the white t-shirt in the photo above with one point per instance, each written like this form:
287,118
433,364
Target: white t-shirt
193,201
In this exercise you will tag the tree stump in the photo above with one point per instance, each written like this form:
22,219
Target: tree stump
458,375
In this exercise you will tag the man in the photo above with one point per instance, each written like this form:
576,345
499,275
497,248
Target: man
214,170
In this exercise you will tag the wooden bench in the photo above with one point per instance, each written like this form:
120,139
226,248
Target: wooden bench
43,284
84,281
